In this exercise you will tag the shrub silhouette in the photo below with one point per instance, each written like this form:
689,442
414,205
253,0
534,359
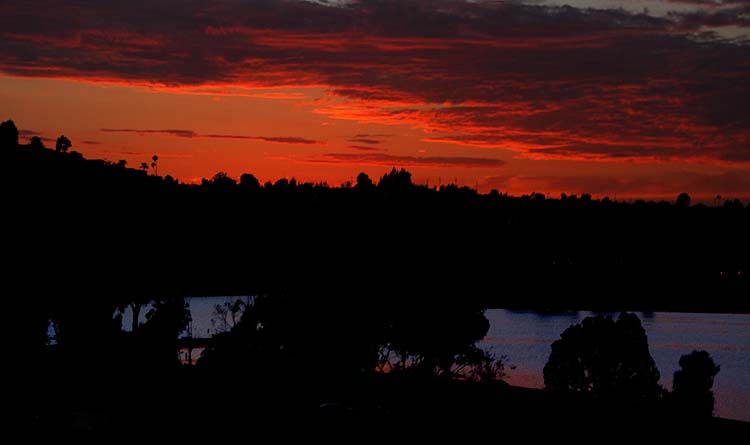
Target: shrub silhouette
35,143
8,134
63,144
691,388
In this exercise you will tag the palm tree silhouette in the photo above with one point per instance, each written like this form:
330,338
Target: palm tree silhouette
154,165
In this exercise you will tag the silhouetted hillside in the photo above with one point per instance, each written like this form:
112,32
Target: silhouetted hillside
367,240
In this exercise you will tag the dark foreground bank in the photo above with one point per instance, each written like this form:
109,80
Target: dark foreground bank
194,406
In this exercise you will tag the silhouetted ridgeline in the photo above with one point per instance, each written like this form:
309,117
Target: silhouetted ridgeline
224,237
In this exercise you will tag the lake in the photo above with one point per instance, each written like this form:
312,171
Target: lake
525,338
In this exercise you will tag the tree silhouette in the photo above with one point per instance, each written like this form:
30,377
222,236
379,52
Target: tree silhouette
144,166
63,144
135,308
395,179
8,134
154,164
222,180
226,316
166,320
249,182
683,201
281,184
437,341
35,143
262,337
691,387
605,359
364,182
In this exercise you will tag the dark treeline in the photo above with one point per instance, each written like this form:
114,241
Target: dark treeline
374,276
384,237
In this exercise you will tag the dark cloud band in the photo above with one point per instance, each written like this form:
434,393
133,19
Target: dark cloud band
548,82
404,161
192,134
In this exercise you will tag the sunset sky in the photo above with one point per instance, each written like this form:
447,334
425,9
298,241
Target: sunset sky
628,98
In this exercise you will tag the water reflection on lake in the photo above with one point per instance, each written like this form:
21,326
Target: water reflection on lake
525,337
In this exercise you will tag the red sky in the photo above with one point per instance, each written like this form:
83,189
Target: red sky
600,97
